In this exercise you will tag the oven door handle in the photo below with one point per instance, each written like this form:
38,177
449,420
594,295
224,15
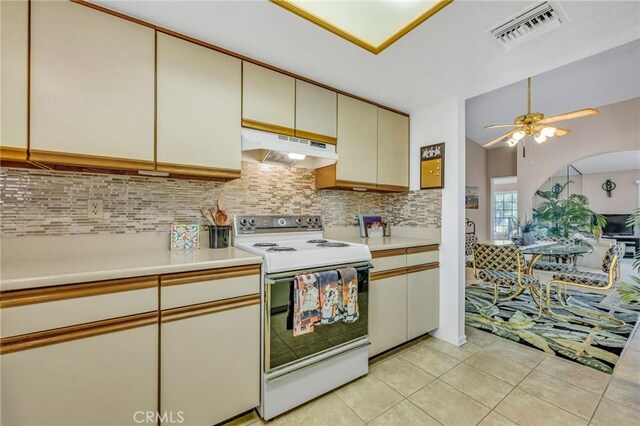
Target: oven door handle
290,276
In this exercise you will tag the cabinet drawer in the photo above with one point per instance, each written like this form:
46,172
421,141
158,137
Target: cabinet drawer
206,286
385,263
423,257
35,310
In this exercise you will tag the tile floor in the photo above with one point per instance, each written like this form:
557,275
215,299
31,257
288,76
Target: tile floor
488,381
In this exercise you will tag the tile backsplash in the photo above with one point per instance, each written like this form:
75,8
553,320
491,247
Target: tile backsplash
43,202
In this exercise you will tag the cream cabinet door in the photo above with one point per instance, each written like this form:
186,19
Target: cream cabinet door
92,87
14,33
199,95
108,379
357,141
393,149
211,365
423,302
268,99
316,110
387,313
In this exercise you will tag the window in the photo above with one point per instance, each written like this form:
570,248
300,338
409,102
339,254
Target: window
505,213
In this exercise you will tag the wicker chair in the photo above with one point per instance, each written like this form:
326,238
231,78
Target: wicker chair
469,240
503,265
589,280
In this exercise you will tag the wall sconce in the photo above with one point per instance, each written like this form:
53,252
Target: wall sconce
609,186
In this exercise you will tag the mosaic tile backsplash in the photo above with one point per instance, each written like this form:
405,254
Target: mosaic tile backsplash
42,202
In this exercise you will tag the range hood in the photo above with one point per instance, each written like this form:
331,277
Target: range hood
273,148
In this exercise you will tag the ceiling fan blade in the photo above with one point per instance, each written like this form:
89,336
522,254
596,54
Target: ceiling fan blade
496,126
562,132
570,115
499,138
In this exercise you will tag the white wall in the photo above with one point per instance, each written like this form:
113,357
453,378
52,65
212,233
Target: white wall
444,122
624,199
617,128
476,175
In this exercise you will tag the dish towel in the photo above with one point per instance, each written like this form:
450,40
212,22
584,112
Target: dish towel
330,297
306,306
349,279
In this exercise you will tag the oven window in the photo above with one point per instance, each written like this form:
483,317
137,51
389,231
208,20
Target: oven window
284,348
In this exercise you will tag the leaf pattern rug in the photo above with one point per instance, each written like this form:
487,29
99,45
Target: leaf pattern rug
515,320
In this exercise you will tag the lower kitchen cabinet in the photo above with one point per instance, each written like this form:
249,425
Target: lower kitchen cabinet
423,301
210,363
106,379
387,313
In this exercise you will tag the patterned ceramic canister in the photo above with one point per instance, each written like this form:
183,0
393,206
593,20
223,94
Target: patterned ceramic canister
185,237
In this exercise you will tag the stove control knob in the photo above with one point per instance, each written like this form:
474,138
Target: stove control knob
282,221
298,220
316,220
252,221
244,221
309,220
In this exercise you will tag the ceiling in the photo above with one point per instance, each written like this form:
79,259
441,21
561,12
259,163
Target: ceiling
449,55
609,162
608,77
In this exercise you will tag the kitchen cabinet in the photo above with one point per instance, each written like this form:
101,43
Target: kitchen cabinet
404,296
14,28
268,99
210,343
387,313
92,88
198,109
423,301
316,110
393,150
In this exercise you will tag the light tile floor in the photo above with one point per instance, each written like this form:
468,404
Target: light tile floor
488,381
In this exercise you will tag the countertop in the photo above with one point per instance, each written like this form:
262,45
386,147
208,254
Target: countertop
23,273
389,243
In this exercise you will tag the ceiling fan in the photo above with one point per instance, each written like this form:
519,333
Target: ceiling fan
535,124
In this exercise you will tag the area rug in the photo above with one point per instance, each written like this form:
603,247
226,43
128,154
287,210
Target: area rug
516,320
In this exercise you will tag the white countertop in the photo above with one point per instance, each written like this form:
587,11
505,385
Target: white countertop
30,272
389,243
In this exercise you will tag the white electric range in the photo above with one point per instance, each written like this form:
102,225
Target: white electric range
296,369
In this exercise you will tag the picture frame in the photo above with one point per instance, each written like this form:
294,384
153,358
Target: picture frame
471,195
432,166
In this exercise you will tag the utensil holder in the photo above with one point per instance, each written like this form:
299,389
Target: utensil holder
219,236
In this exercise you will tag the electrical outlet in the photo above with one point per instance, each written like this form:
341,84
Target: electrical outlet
94,209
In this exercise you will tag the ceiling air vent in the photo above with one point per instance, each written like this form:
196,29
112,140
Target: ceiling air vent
528,24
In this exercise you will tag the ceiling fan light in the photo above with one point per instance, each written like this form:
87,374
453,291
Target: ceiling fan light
512,142
548,132
518,135
539,137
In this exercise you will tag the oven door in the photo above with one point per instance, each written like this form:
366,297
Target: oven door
281,347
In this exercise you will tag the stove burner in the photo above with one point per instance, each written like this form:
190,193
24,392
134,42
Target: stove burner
317,241
265,245
278,248
328,244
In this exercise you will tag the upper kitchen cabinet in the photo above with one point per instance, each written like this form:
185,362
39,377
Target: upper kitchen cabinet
268,100
199,110
14,31
92,88
393,150
357,147
316,112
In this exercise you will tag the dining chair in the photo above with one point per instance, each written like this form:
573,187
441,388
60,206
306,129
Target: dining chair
557,263
469,240
591,281
504,266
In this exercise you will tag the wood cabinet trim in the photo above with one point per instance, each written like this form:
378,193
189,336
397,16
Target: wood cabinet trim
189,170
387,274
75,332
209,275
225,51
13,298
422,249
388,253
266,127
184,312
71,159
9,153
326,179
315,136
423,267
392,188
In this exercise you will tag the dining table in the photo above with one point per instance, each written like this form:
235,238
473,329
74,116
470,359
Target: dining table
553,249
